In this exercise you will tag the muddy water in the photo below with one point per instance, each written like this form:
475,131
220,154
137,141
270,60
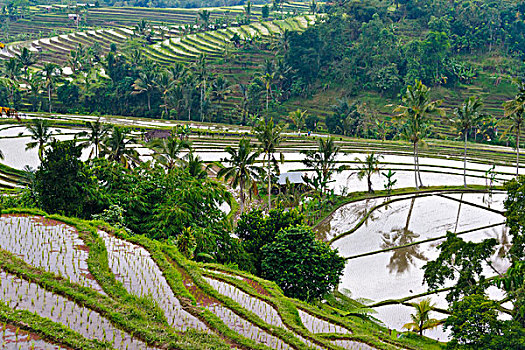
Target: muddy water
13,338
49,244
398,273
141,276
22,295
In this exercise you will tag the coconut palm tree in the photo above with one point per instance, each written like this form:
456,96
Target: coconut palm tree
515,113
11,71
26,59
52,75
165,84
195,166
466,118
242,171
415,112
298,118
323,162
40,132
34,83
204,17
421,319
145,84
268,79
270,136
117,147
367,168
97,132
167,150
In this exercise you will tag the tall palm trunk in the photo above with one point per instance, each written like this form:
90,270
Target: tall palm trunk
418,170
269,185
241,183
149,101
518,150
465,162
267,98
415,166
49,96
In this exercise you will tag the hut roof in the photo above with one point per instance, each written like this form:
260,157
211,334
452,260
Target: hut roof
292,177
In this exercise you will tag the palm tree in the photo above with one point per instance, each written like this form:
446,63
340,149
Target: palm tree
40,132
220,90
26,59
367,168
195,166
268,79
117,147
466,118
298,118
145,84
11,71
515,112
97,132
270,136
204,17
202,74
415,111
167,150
421,320
52,75
34,84
242,169
323,162
165,83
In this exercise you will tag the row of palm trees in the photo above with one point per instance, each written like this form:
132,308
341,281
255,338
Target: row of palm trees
417,106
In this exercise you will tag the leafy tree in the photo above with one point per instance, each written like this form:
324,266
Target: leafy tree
256,230
421,319
40,132
515,112
64,184
302,266
367,168
465,118
242,169
414,111
265,12
270,137
474,324
323,162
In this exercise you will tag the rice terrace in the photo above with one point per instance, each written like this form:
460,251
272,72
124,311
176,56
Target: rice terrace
262,174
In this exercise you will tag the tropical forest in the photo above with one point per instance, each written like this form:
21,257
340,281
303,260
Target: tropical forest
262,174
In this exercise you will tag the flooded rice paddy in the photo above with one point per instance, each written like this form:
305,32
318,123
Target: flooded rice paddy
386,254
13,338
133,266
51,245
22,295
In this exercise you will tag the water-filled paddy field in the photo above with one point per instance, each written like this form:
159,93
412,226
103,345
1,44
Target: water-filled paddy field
386,253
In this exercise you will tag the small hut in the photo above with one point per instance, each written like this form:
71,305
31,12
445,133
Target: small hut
294,179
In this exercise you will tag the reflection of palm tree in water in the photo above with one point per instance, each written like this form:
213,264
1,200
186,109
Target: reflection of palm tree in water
354,212
402,258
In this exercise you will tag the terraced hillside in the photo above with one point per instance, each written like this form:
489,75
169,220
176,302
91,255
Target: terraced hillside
123,292
46,20
185,48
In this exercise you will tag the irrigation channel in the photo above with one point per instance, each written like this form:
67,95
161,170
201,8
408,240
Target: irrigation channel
387,241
